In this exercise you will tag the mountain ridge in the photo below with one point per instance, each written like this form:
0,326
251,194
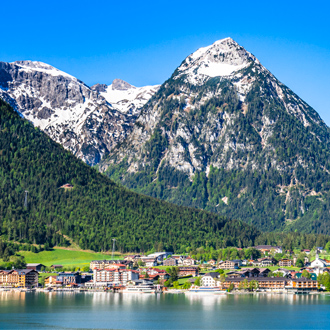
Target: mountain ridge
199,134
68,110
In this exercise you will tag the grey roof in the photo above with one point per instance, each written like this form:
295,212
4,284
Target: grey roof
213,275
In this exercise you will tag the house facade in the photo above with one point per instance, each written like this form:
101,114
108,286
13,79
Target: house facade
170,262
185,271
229,264
285,263
23,278
210,279
114,277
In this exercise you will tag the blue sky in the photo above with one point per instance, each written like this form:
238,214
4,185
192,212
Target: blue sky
143,42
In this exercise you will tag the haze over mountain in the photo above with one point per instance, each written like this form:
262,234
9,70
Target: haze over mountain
225,135
81,118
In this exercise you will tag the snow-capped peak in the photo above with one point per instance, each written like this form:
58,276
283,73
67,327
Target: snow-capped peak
223,58
125,97
42,67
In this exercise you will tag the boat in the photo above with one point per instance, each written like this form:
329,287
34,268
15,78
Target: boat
139,289
206,289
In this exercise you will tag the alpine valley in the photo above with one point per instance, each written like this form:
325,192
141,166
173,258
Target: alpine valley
221,134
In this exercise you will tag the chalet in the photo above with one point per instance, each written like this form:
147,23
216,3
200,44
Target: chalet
211,262
170,262
285,263
249,272
264,262
229,264
184,271
36,267
149,261
52,281
210,279
263,272
307,251
23,278
189,261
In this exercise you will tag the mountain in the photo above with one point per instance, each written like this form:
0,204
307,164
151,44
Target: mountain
124,97
64,196
225,135
70,112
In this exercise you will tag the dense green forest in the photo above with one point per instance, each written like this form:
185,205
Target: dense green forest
279,175
96,209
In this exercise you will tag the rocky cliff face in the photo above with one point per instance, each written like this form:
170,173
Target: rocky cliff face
224,134
70,112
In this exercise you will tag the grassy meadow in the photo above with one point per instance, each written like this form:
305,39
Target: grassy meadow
67,258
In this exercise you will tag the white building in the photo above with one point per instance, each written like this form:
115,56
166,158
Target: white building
114,277
210,279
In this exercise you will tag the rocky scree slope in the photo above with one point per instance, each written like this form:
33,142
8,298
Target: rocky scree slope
225,135
70,112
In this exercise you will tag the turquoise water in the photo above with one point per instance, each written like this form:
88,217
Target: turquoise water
167,311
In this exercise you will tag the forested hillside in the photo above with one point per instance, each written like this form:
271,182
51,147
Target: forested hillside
96,209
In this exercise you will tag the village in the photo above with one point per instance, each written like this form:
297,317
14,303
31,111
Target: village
170,273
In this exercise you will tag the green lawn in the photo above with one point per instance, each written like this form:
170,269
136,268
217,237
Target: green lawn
67,258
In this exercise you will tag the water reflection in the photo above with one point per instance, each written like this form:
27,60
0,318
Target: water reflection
175,311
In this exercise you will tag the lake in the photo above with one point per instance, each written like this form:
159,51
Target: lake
167,311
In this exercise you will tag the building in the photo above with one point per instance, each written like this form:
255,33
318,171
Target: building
114,277
52,281
103,264
36,267
160,256
23,278
185,271
132,257
229,264
170,262
210,279
319,263
302,284
149,261
188,261
69,278
285,263
264,262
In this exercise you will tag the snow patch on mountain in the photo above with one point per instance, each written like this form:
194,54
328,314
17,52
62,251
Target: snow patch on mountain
126,98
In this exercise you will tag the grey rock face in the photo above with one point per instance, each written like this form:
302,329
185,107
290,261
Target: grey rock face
121,85
69,111
99,88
